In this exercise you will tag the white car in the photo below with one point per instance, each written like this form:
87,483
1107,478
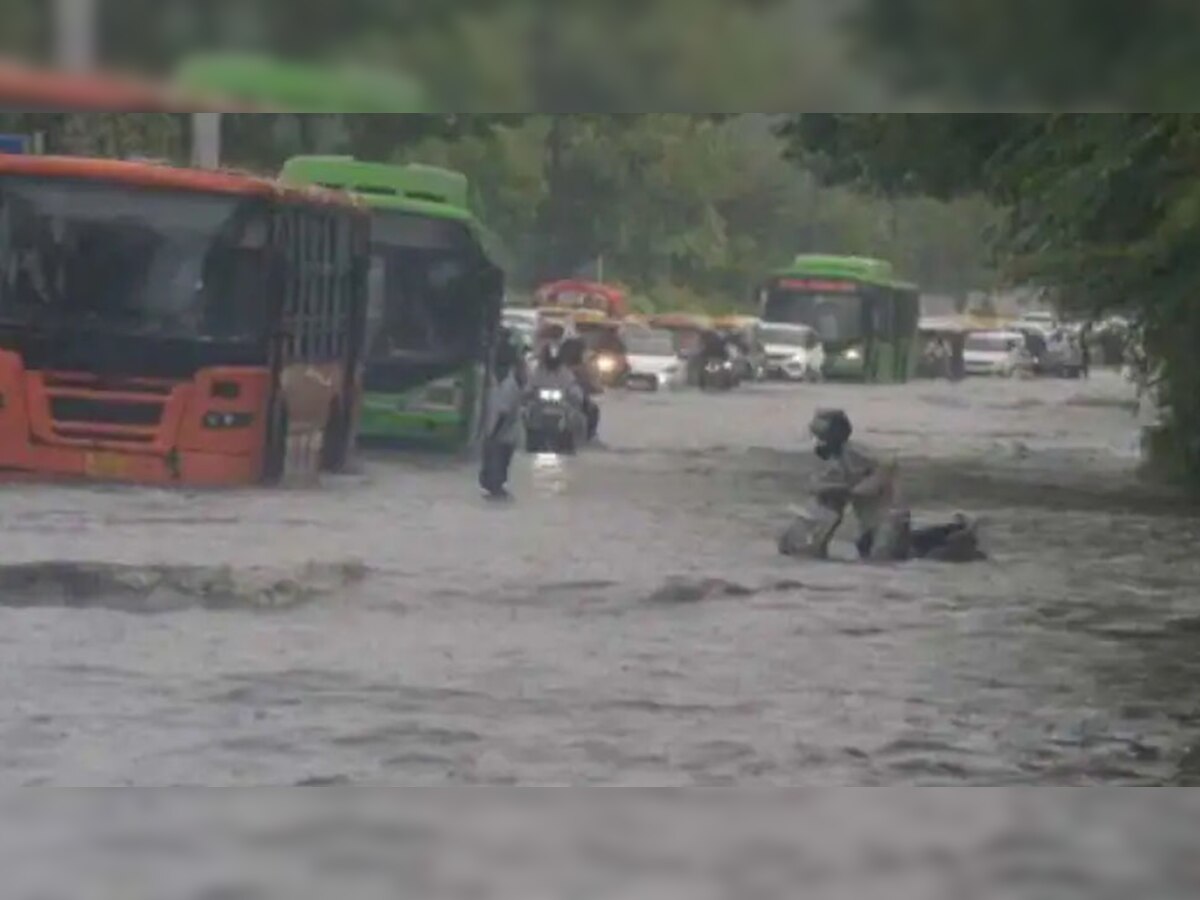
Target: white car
995,353
794,352
654,363
519,318
1045,322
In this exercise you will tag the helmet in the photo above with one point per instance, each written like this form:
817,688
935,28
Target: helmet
831,427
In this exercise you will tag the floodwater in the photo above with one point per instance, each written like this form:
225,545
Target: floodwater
627,620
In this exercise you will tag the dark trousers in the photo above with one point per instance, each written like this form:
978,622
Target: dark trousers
497,459
592,411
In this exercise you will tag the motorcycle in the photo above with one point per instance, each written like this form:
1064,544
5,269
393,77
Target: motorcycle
718,375
551,424
956,541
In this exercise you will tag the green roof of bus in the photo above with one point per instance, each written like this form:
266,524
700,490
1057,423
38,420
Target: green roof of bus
413,188
852,268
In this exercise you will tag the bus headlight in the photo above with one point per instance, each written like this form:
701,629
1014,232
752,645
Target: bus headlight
226,421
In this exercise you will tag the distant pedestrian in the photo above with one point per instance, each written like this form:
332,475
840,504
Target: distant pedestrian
1085,350
503,432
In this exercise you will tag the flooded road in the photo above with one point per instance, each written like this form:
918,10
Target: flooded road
627,620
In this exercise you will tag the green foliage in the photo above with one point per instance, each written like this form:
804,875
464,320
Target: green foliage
120,135
689,209
1069,53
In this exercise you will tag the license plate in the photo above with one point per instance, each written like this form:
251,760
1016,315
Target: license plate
104,465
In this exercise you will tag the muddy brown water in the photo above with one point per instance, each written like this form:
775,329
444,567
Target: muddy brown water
627,620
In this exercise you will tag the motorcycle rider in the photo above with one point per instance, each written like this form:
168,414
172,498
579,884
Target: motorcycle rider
712,349
551,375
852,477
574,356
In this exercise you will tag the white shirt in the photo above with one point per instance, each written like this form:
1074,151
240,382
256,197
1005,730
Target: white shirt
504,409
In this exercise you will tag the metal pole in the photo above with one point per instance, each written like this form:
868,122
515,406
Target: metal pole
206,140
75,34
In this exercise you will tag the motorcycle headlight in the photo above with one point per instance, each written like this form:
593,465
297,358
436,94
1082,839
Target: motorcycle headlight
853,355
606,364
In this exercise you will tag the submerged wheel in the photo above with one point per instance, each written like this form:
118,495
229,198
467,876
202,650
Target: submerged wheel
335,446
275,454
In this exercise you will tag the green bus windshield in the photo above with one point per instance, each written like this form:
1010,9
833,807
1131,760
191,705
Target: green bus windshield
837,318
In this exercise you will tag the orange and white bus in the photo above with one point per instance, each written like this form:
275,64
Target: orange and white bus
176,326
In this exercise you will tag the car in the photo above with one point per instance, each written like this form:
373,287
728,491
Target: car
519,317
1042,320
1000,353
654,363
793,352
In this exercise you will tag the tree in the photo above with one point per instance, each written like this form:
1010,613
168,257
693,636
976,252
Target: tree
1071,53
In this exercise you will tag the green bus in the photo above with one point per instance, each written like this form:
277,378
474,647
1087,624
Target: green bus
866,317
434,301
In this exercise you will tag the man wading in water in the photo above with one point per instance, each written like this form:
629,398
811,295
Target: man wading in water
503,420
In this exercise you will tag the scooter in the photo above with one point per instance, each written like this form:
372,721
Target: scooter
551,424
895,541
718,375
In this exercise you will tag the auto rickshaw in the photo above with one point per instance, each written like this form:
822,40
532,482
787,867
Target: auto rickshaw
942,345
607,356
685,327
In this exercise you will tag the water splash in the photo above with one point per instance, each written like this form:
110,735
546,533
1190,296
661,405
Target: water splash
160,589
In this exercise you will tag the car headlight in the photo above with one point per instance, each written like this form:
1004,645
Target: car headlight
551,396
853,354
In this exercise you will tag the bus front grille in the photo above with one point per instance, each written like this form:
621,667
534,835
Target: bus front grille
94,411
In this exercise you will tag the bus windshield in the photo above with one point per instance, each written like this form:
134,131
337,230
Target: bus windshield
121,259
836,318
428,293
